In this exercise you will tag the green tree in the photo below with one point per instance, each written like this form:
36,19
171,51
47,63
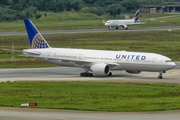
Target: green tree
15,2
105,3
24,3
90,1
114,9
68,6
77,6
27,13
1,15
95,10
4,2
17,7
60,6
131,4
37,16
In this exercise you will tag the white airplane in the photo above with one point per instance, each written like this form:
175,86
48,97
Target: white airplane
95,62
123,23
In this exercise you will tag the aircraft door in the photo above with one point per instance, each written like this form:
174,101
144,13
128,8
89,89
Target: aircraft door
154,60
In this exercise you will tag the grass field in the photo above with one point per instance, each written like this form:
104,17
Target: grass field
162,42
91,95
71,21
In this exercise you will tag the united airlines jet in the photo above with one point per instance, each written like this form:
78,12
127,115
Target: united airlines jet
123,23
95,62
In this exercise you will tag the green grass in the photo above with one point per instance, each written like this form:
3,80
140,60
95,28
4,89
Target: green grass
92,96
72,20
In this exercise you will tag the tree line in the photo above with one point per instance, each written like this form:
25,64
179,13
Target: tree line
19,9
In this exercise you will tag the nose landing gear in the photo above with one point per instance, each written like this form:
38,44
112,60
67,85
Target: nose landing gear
160,74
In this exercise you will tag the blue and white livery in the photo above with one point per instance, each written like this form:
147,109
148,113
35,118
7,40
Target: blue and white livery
36,39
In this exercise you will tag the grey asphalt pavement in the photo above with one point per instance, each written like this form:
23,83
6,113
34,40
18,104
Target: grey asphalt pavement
95,30
8,113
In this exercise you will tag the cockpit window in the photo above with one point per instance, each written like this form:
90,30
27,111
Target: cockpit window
168,61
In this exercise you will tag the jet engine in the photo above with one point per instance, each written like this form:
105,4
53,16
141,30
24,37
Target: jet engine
133,72
125,26
100,69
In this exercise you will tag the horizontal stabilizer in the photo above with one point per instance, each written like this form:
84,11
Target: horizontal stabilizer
13,50
33,53
25,52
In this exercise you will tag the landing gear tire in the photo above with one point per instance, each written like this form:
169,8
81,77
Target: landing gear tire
116,28
82,74
86,74
110,74
160,74
109,28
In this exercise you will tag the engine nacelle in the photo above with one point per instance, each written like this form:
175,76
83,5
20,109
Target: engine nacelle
125,26
133,72
100,69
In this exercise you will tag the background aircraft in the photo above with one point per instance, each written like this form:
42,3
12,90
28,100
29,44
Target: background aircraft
123,23
94,62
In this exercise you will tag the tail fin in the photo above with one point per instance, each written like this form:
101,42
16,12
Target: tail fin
35,38
104,20
136,16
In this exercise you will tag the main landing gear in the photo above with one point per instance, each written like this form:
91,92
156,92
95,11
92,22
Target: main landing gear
86,74
160,74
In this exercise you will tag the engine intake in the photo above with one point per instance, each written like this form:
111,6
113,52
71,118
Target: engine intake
100,69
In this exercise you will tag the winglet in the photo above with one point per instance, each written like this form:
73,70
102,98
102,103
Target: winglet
35,38
136,16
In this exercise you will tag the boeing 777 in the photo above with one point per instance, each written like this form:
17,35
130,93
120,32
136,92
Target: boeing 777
95,62
123,23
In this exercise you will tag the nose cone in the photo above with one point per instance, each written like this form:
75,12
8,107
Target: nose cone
173,65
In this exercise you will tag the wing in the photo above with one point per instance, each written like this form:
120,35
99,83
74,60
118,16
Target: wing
65,59
75,60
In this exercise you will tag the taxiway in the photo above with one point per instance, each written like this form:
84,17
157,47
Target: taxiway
95,30
9,113
72,74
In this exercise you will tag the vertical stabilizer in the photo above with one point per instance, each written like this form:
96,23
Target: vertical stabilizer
136,16
35,38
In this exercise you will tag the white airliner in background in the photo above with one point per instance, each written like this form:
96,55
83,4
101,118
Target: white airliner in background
95,62
123,23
